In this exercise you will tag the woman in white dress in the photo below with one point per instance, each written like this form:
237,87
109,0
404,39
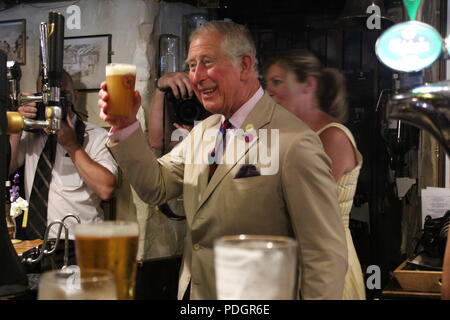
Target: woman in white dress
297,81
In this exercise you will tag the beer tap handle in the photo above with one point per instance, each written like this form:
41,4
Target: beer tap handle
23,99
43,41
72,216
66,243
14,75
45,252
54,112
55,49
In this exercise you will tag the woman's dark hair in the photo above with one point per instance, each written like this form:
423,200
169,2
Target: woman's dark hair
331,88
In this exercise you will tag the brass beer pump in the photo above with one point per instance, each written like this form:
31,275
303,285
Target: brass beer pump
51,42
13,278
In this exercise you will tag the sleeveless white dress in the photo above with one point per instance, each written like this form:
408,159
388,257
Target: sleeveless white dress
354,288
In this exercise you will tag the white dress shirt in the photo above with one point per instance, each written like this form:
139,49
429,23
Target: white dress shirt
68,194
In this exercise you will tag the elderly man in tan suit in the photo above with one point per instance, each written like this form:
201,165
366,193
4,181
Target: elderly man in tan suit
292,195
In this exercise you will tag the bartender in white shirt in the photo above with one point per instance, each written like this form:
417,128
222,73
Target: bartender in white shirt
82,175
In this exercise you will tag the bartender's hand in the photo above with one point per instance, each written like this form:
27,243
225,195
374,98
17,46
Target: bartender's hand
117,123
179,83
28,110
67,137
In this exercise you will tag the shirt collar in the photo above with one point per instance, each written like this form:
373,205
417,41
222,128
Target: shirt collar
237,119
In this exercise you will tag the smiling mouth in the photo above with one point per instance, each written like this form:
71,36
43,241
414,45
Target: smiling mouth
208,93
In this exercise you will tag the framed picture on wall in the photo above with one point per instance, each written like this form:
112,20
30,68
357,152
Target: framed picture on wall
13,39
85,58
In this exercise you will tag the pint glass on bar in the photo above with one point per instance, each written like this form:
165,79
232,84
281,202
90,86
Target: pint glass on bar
256,267
120,80
71,284
110,245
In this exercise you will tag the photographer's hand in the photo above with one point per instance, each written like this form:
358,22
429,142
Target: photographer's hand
28,110
67,136
179,83
98,178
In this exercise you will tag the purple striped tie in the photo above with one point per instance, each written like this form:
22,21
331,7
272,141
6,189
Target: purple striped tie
220,143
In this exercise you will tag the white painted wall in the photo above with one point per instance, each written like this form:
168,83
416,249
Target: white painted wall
135,26
129,21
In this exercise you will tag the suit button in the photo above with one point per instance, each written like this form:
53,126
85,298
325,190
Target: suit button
197,247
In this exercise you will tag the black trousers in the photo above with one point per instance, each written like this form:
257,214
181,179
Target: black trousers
157,279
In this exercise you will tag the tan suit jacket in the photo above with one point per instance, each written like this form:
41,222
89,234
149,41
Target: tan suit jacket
299,200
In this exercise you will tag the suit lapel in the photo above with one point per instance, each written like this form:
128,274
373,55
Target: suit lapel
202,181
238,147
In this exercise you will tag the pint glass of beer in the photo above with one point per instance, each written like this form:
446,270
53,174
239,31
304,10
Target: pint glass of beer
120,80
110,245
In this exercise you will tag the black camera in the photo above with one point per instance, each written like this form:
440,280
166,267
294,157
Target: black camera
435,233
186,111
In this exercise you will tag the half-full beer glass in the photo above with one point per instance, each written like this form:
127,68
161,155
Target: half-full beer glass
110,245
256,267
120,81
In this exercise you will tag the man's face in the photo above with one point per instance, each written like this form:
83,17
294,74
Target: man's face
216,80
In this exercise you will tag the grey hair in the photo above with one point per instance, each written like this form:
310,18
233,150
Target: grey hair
237,39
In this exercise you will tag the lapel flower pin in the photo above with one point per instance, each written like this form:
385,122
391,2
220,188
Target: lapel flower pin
247,135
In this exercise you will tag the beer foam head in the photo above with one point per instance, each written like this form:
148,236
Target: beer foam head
115,69
107,229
